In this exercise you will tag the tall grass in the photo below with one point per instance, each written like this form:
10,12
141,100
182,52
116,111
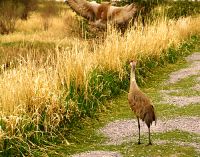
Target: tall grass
42,99
117,49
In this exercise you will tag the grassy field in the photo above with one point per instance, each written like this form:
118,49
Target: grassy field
50,79
86,136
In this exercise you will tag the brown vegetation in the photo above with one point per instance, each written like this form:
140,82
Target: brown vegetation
11,11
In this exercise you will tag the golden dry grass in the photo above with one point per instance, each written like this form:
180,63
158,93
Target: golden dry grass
63,26
30,88
151,41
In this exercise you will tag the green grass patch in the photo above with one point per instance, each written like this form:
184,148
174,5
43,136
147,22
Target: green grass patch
28,44
158,150
172,111
177,135
188,84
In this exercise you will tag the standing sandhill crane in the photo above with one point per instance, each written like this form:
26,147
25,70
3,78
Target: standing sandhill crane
140,103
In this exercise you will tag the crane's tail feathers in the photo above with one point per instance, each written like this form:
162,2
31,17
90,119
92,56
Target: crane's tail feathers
155,118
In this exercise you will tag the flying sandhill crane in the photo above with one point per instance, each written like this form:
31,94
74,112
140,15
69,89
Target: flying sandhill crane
140,103
99,14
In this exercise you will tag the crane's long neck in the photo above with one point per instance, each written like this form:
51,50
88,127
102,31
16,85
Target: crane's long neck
133,84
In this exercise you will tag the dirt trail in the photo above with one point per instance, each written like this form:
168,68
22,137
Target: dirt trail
123,131
98,154
193,69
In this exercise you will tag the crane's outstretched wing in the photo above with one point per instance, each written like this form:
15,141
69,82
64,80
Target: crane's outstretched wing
90,11
121,15
84,8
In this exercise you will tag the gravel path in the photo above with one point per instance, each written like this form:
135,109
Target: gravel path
167,92
194,57
98,154
123,131
198,79
196,87
180,100
193,69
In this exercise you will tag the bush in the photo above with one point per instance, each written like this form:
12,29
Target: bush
9,13
172,9
182,9
29,5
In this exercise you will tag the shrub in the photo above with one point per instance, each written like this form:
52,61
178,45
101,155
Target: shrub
29,5
182,9
9,13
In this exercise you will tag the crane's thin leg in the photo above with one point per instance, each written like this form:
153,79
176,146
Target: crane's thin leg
149,136
139,130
